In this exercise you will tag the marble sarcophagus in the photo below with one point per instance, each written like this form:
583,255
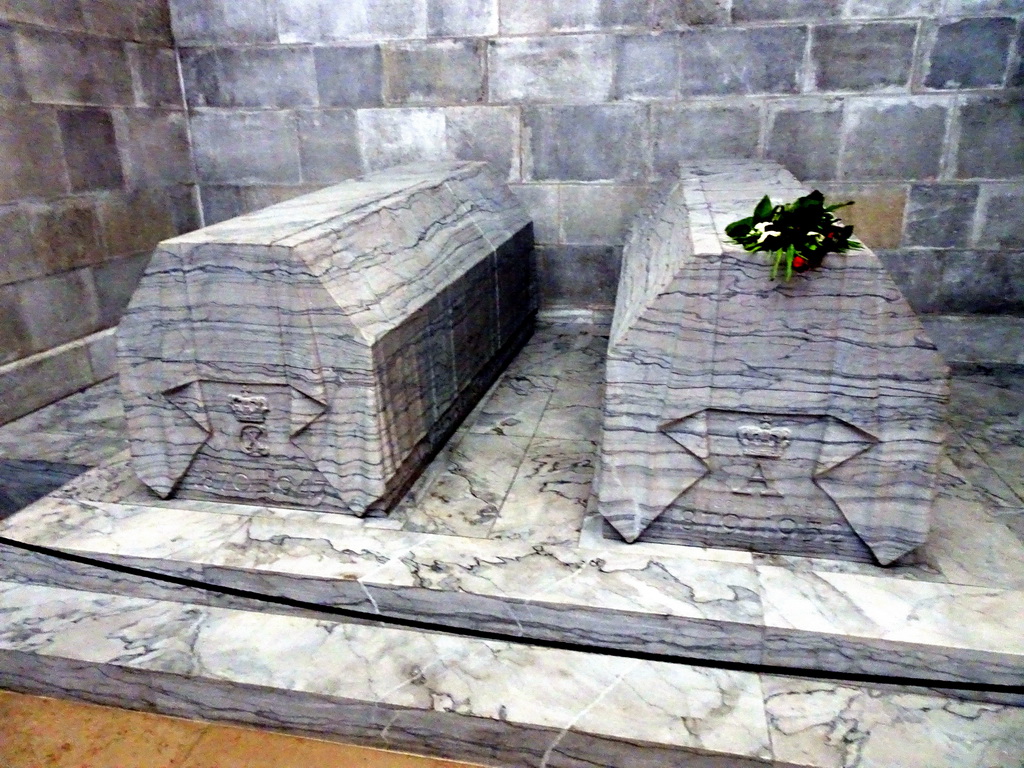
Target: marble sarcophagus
318,352
802,417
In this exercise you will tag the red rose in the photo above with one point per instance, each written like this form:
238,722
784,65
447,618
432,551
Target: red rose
799,262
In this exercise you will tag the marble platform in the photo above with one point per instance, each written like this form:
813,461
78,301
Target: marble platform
641,655
318,353
802,417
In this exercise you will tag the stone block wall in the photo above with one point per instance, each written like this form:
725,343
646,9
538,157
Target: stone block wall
913,107
95,169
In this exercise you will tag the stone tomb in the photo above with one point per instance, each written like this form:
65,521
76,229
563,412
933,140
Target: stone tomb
318,352
800,418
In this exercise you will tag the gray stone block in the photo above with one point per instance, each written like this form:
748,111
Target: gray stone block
703,131
991,138
349,76
597,214
32,154
1016,78
223,21
90,149
805,139
569,68
917,272
62,14
135,220
66,235
184,208
155,76
279,77
305,21
60,69
390,137
980,7
434,72
541,202
879,9
462,18
755,60
940,215
578,275
970,53
221,203
110,19
14,337
11,87
116,281
329,145
154,147
20,261
893,139
980,281
153,22
246,147
59,309
862,57
490,134
1002,217
648,67
783,10
600,142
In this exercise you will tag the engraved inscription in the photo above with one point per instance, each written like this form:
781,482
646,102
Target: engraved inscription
758,484
251,440
261,484
764,441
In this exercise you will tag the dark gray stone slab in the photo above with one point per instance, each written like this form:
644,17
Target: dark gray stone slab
567,68
691,132
184,208
806,140
434,72
20,260
755,60
22,482
221,203
154,147
876,9
116,281
578,275
90,149
59,309
648,67
246,147
862,57
66,14
223,21
600,142
66,235
61,69
32,154
490,134
970,53
894,139
11,86
277,77
349,76
14,336
155,76
991,138
940,215
959,281
462,18
1002,219
771,10
328,145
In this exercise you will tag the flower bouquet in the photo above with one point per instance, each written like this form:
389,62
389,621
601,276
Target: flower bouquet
797,234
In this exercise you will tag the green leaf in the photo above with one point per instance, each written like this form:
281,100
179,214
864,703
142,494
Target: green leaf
740,228
763,210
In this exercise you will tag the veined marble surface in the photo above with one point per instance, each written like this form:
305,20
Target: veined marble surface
496,535
316,353
538,568
802,417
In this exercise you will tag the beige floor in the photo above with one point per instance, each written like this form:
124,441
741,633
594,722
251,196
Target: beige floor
37,732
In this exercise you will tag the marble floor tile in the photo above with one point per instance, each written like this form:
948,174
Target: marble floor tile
64,447
549,495
560,350
573,412
515,406
464,499
50,733
823,723
95,409
980,474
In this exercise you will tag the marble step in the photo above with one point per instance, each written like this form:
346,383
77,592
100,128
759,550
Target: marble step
500,704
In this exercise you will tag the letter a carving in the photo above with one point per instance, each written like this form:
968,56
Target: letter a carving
757,484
